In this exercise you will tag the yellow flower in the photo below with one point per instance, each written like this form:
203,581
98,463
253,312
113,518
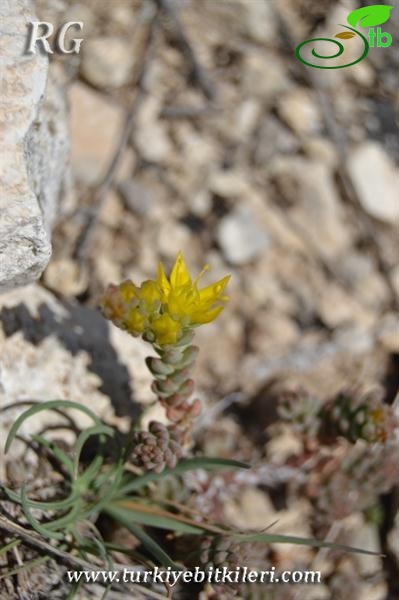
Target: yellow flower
134,322
184,301
166,330
164,307
150,296
117,300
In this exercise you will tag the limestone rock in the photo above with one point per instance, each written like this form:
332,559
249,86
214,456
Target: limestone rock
34,151
376,180
58,350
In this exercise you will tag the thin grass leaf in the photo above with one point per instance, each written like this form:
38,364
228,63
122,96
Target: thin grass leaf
42,529
129,552
160,521
74,590
157,517
108,494
148,542
188,464
106,591
26,566
71,517
82,439
51,404
45,504
288,539
58,453
90,473
9,546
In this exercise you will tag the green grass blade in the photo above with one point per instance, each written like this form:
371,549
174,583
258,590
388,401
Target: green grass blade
270,538
159,521
82,439
187,464
151,545
63,522
33,410
58,453
9,546
41,505
90,473
42,529
26,566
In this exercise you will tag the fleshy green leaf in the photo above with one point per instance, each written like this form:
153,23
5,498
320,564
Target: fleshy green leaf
369,16
188,464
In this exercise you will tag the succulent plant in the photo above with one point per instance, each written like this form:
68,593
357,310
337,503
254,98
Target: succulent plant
156,449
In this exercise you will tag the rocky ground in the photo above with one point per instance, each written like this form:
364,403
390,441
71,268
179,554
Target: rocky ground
194,128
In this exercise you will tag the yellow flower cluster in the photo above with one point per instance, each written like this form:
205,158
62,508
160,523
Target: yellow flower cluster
164,308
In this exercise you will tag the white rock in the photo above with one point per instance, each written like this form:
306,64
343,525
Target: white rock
151,135
41,359
260,22
58,350
240,237
79,12
264,74
299,110
250,509
376,180
388,333
228,183
317,211
107,61
33,152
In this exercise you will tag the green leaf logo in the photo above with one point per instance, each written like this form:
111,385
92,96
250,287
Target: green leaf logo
369,16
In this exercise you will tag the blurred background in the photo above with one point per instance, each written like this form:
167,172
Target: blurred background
193,127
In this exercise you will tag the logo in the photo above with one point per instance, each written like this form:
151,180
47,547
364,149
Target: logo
368,16
37,37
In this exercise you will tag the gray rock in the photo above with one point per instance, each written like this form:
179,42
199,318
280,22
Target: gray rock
376,180
137,197
92,144
240,237
33,153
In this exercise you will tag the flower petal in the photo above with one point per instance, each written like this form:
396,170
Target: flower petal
213,292
162,280
205,316
166,330
180,275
